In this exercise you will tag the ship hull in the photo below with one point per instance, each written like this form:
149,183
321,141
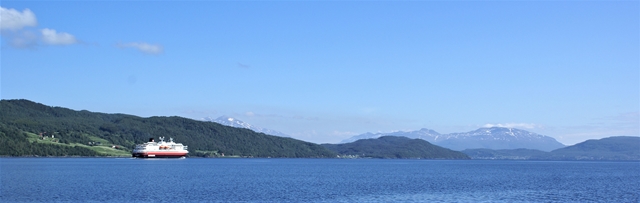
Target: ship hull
154,154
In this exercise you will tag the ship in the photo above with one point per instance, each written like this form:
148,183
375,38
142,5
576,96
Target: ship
160,149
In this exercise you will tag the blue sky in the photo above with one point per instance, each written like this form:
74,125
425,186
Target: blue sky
326,71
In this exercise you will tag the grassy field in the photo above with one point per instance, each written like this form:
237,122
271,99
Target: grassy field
104,149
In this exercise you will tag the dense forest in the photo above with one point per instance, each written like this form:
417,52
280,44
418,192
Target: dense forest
393,147
32,129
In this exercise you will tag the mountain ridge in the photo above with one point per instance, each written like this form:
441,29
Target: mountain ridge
614,148
491,138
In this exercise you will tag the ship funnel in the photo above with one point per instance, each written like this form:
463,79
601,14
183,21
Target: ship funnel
151,139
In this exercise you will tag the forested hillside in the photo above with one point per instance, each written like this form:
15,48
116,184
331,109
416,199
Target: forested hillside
28,128
610,148
392,147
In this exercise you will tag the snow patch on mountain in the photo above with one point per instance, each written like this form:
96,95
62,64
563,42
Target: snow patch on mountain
229,121
488,137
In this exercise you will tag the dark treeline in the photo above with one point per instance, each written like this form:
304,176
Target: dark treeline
18,117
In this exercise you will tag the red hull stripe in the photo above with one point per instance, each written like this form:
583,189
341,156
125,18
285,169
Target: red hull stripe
164,156
164,153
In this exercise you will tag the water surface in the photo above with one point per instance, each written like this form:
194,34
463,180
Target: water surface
315,180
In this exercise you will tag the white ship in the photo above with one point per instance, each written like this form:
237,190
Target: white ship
160,149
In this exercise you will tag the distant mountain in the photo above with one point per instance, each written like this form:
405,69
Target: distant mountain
393,147
611,148
499,138
229,121
425,134
490,138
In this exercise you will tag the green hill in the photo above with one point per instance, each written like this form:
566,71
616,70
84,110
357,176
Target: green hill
393,147
32,129
611,148
621,148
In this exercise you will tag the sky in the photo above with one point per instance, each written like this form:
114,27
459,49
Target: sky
323,71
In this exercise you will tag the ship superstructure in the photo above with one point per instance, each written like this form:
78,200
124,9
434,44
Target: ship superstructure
160,149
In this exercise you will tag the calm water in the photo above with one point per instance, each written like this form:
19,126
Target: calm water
314,180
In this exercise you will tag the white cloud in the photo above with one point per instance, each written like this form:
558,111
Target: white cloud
51,37
11,19
143,47
13,23
512,125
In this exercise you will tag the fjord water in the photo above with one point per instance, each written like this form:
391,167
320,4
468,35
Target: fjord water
315,180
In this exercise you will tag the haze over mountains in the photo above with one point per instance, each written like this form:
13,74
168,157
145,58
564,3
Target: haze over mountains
232,122
483,138
489,138
28,129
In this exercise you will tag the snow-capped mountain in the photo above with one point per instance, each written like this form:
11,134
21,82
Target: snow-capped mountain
490,138
229,121
499,138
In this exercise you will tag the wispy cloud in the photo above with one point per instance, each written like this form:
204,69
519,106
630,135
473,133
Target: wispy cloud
628,117
276,116
343,133
512,125
22,39
11,19
153,49
51,37
242,65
